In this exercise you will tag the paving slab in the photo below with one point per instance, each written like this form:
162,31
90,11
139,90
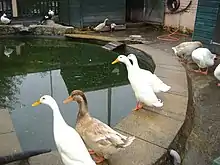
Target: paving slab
52,158
139,152
174,106
9,144
150,126
6,124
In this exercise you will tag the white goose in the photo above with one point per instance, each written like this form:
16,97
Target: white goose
143,92
101,25
152,79
185,49
203,58
217,73
5,20
51,12
69,144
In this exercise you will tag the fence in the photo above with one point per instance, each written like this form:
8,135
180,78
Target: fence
36,8
6,7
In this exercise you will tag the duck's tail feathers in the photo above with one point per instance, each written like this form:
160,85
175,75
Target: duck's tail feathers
174,49
165,87
128,141
158,104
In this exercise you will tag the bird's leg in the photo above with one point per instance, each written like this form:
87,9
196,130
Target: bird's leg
91,152
138,106
98,159
202,72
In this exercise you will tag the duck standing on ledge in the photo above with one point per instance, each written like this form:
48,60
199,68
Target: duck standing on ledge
69,144
99,137
101,25
143,91
217,74
5,20
203,58
157,84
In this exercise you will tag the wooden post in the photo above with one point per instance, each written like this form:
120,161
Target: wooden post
14,8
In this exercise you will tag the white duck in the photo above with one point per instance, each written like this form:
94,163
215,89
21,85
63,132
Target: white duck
217,73
51,12
185,49
112,27
8,51
203,58
143,92
5,20
69,144
101,25
152,79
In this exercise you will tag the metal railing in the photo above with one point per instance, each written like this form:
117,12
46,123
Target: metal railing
6,7
35,8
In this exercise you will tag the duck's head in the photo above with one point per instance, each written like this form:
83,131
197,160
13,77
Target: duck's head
106,20
46,99
132,57
76,95
4,15
121,58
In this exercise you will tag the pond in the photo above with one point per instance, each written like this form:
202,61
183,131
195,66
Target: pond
30,68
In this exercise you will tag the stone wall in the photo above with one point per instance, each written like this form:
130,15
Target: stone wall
184,19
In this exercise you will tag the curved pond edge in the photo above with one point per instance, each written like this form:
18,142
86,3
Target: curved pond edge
156,131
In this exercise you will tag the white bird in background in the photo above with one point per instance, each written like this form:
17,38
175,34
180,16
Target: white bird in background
5,20
8,51
203,58
51,12
101,25
112,26
217,73
185,49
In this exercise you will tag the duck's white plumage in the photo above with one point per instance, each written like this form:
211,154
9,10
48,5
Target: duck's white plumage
51,12
185,49
101,25
5,20
151,79
203,57
144,92
69,144
217,72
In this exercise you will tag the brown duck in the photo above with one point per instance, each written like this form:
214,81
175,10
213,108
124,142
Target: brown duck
99,137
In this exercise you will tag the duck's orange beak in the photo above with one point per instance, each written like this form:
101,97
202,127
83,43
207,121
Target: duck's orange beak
67,100
36,103
116,61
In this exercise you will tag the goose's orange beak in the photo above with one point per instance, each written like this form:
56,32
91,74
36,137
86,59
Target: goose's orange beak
67,100
36,103
116,61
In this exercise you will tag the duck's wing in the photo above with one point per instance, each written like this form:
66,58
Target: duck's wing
104,135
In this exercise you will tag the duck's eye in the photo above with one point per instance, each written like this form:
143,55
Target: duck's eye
43,98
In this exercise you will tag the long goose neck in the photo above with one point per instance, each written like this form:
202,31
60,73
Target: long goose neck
128,64
83,107
58,120
135,63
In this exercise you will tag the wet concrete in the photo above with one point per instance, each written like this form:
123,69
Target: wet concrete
203,144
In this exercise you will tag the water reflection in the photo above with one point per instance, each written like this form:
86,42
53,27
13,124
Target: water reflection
56,68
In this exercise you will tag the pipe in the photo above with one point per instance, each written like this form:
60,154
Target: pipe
22,156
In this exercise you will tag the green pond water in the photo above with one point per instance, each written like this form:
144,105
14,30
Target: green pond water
30,68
